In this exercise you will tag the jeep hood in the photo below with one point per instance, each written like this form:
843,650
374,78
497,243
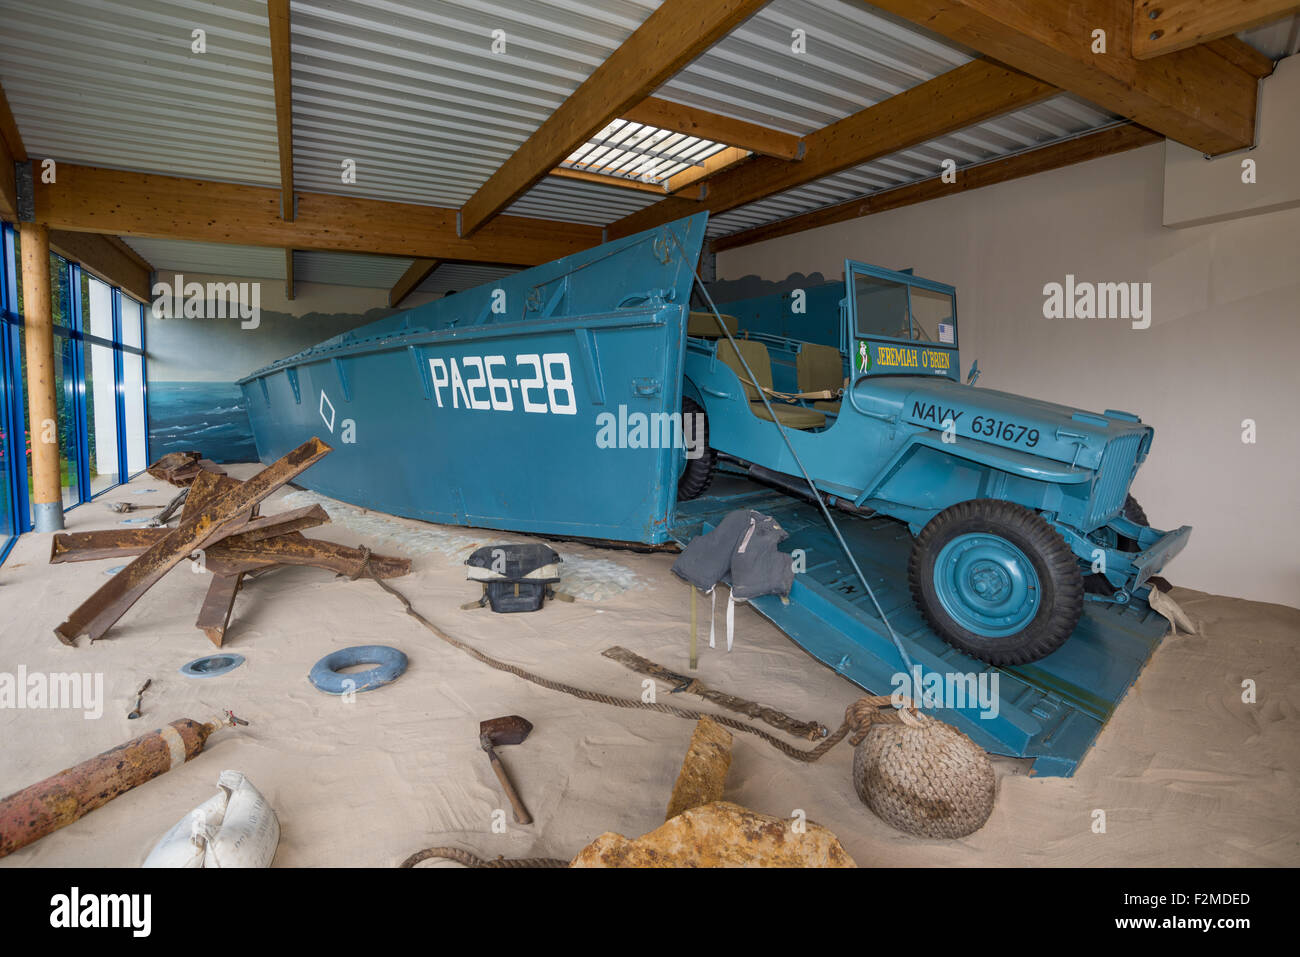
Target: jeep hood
1058,432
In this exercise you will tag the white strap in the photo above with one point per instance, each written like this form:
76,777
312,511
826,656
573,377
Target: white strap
713,607
731,616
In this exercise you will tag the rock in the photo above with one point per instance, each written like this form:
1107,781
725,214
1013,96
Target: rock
704,769
720,834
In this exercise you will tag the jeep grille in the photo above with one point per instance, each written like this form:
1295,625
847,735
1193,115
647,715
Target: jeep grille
1111,485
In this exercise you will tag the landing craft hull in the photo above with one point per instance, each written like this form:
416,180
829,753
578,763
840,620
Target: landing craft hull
485,408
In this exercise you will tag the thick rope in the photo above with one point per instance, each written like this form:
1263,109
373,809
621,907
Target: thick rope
472,860
851,718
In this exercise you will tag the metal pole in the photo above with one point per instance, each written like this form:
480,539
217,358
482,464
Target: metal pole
43,410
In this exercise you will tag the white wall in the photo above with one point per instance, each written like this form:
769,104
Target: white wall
1223,346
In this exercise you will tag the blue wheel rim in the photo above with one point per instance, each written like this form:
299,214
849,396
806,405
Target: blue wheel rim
987,585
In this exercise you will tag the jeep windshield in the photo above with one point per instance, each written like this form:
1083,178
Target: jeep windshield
888,309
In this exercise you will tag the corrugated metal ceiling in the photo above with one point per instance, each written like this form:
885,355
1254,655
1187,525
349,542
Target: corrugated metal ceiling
854,58
572,201
260,262
1039,125
412,91
116,84
222,259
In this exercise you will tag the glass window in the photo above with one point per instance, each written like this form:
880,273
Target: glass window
934,316
8,525
137,450
101,417
132,319
66,382
880,306
10,445
101,385
97,307
98,386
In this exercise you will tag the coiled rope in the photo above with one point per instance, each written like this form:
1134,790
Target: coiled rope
472,860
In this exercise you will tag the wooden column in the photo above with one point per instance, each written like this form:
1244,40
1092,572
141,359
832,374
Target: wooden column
42,405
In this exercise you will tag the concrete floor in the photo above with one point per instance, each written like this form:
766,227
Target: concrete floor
1186,772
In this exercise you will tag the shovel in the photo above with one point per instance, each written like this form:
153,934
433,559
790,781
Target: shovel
511,729
499,732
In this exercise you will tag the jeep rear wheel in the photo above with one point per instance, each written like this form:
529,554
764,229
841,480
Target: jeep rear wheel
994,580
697,476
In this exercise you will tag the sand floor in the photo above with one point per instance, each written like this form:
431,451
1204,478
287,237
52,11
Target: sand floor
1186,773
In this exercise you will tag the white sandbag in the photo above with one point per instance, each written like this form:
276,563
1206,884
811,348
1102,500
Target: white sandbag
233,828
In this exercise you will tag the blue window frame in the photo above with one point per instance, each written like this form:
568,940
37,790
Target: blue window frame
116,348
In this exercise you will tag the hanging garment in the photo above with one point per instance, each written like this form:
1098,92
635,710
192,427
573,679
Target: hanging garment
744,547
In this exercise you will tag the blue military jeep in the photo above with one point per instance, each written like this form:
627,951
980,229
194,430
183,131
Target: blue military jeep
1019,509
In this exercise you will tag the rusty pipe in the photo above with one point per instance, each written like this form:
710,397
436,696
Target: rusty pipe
30,814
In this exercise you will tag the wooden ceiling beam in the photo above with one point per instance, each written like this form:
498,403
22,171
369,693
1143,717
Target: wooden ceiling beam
89,199
416,273
106,258
693,121
277,12
1164,26
670,38
722,160
971,93
1193,96
1243,56
605,180
11,151
1116,139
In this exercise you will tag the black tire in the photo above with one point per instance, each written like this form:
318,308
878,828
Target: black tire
697,476
1138,516
1059,581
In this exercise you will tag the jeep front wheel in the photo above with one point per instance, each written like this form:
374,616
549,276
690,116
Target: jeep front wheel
701,459
994,580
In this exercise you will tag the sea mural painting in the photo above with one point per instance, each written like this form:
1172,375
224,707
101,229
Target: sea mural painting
198,353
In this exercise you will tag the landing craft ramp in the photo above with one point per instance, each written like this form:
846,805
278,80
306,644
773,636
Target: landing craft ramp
1050,711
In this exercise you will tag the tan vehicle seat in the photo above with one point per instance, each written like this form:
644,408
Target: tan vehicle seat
755,354
820,368
704,325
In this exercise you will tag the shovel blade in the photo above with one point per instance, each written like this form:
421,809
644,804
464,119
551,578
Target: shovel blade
511,729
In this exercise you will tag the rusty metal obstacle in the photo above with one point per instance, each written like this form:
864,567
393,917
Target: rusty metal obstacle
220,520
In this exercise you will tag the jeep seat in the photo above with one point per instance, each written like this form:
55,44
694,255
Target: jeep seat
820,368
704,325
755,354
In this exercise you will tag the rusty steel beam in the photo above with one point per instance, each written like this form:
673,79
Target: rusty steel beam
269,526
127,542
297,549
181,468
214,615
105,543
30,814
204,489
112,600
